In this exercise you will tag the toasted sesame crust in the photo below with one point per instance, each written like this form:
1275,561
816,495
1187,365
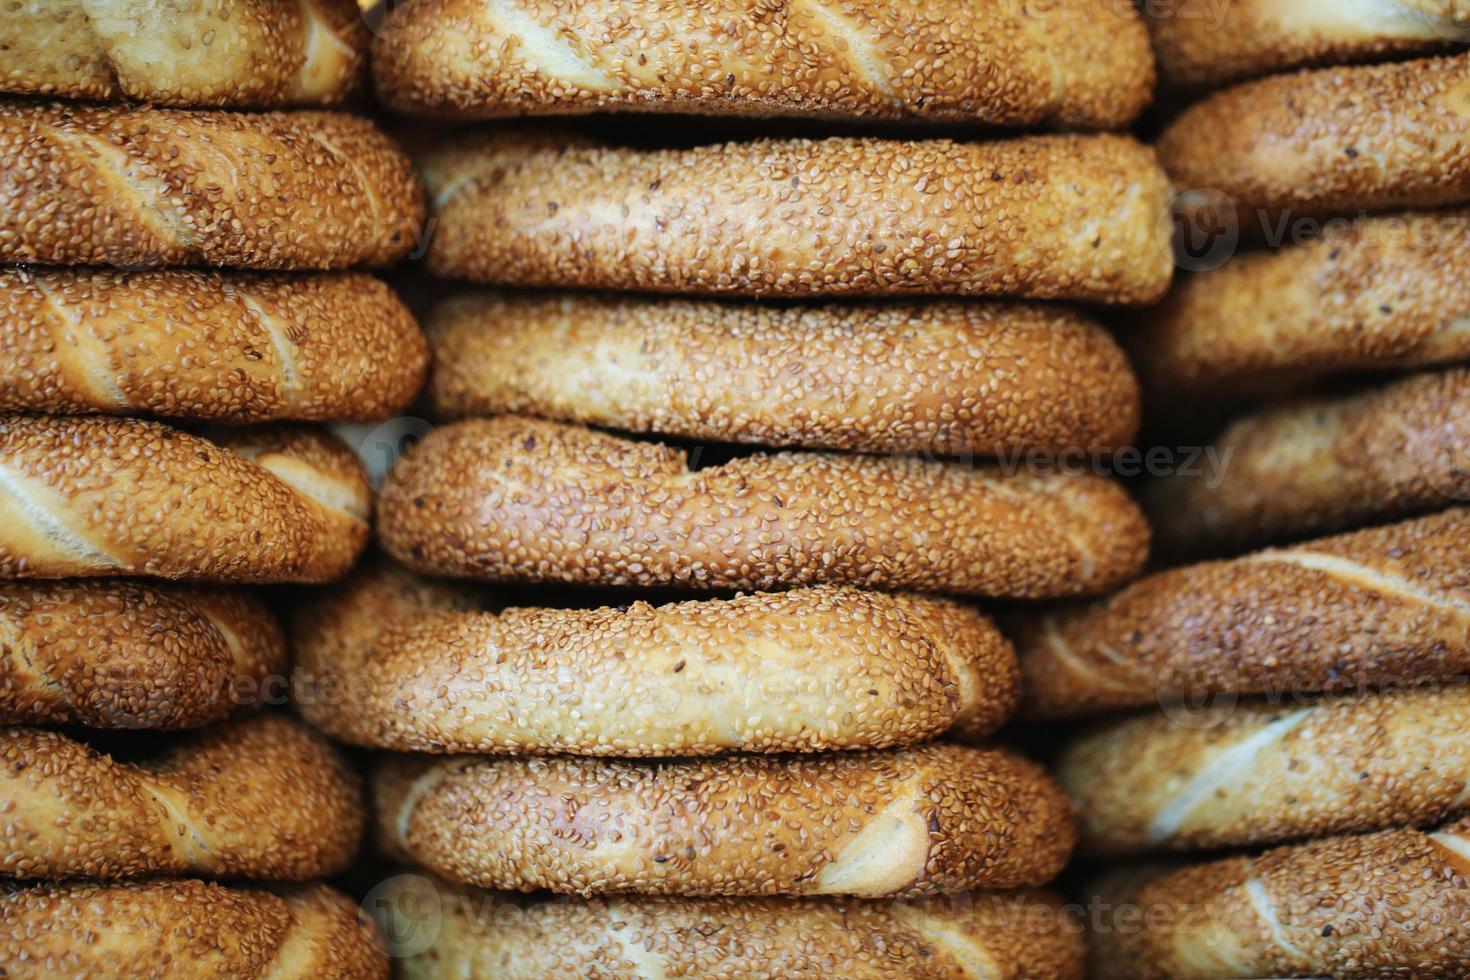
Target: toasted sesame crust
888,59
186,928
521,499
394,661
1052,217
1385,607
1389,905
92,495
490,936
920,821
126,654
261,797
227,347
1385,292
1331,141
137,188
1248,38
947,378
1322,464
245,54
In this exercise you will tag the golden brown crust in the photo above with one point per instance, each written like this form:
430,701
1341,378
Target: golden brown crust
84,185
186,928
228,347
1258,773
1330,141
1384,607
920,821
261,797
393,661
521,499
92,495
985,63
489,936
1385,292
945,378
125,654
245,54
1052,217
1322,464
1389,905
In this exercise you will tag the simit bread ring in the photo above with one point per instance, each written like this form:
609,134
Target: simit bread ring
1053,217
125,654
1391,904
1246,38
1321,464
248,53
1328,142
1388,292
398,662
921,821
969,63
262,797
84,185
487,936
1256,773
186,929
90,495
1388,606
514,498
946,378
204,345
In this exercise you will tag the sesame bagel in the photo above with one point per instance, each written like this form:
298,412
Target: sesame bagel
262,797
87,185
92,495
127,654
394,661
228,347
1258,773
1333,141
946,378
487,936
974,63
920,821
186,929
1384,292
1248,38
246,54
1385,607
1320,464
1052,217
513,498
1394,904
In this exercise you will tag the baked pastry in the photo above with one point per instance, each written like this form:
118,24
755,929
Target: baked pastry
259,797
246,54
91,495
229,347
394,661
87,185
513,498
178,928
487,936
946,378
920,821
1391,904
1385,607
973,63
1232,774
1052,217
1325,463
128,654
